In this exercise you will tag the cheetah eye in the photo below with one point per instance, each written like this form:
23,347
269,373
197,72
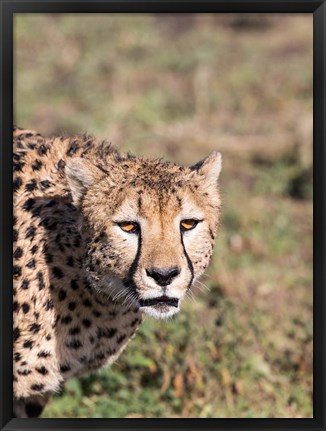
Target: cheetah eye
129,226
188,224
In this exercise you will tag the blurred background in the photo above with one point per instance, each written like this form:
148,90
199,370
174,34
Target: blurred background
177,87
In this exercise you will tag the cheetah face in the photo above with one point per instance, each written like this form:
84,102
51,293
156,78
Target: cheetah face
148,228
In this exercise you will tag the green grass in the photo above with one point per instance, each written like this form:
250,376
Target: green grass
178,88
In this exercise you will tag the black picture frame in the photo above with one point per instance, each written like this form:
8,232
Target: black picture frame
316,7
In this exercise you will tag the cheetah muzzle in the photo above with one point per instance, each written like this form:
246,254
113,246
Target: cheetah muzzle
100,239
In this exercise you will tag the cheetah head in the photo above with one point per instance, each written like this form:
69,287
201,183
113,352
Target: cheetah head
148,227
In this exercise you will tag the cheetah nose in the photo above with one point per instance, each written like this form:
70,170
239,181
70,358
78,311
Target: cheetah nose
163,276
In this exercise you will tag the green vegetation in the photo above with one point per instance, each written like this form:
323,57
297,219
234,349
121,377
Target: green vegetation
179,87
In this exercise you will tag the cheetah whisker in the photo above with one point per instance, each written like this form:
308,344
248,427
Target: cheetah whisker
202,286
119,295
191,295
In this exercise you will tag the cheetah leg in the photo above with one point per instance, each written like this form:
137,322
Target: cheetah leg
31,407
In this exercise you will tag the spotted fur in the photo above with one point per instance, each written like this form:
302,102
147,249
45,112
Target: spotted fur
81,283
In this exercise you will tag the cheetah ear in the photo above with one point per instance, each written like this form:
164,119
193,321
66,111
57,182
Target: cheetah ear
81,174
210,167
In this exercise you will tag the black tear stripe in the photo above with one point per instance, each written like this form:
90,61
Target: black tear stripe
129,280
190,265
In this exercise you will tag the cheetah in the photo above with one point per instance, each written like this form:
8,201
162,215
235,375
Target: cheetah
100,239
